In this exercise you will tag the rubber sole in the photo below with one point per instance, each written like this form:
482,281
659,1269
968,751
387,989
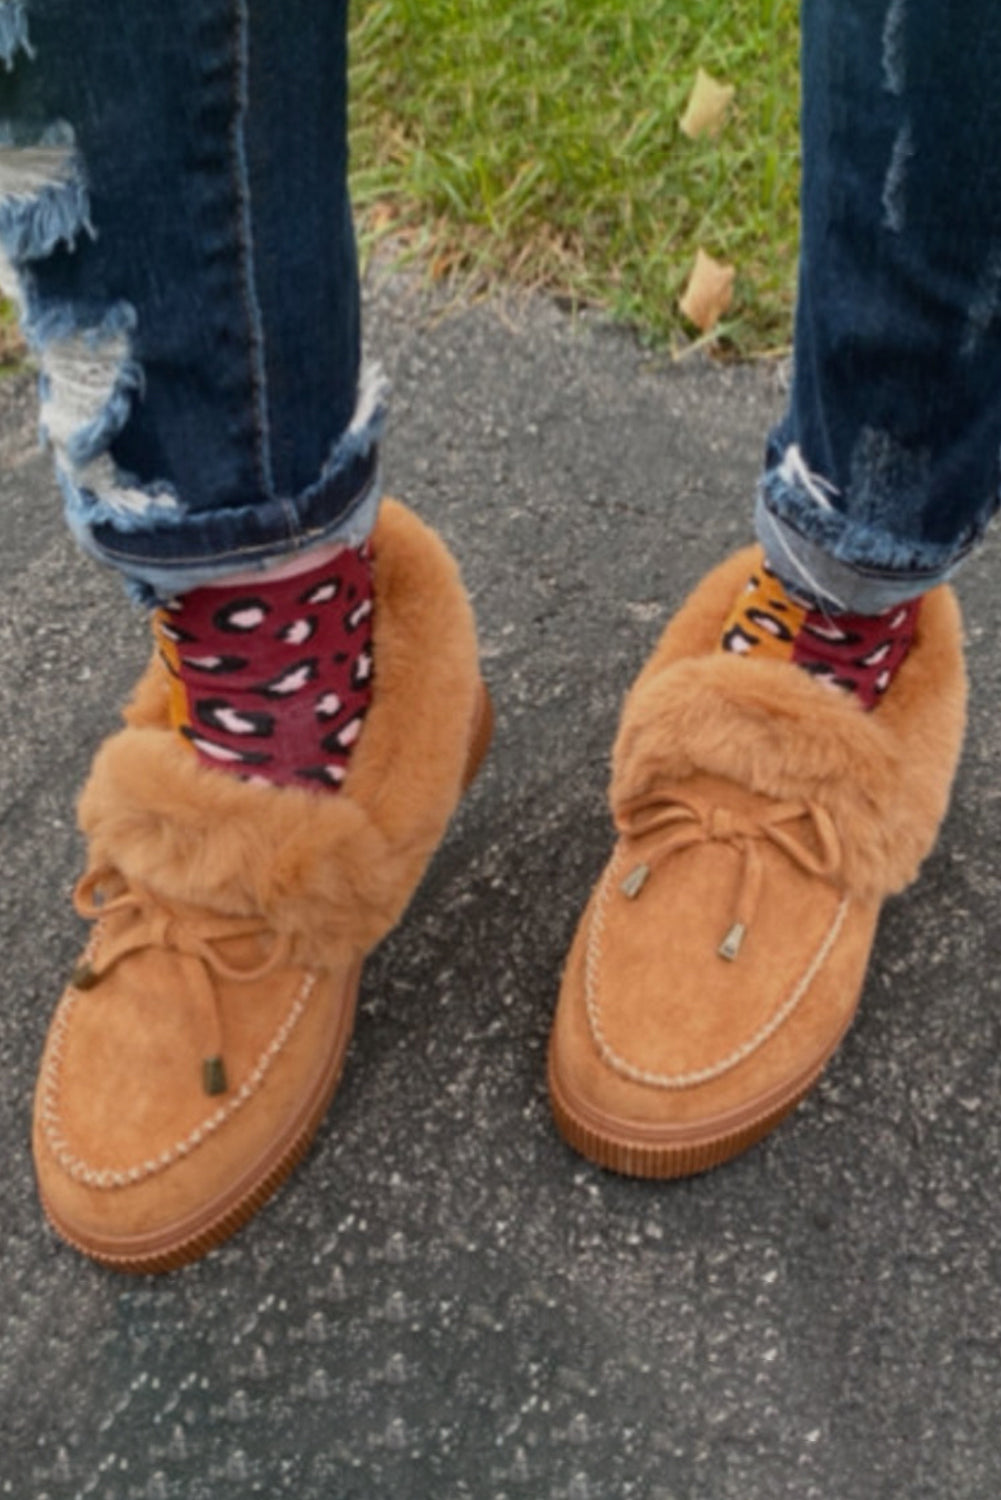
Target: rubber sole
220,1219
690,1152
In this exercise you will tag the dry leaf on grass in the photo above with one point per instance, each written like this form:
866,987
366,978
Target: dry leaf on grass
380,217
709,292
707,106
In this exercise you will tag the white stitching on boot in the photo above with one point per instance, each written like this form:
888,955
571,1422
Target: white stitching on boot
592,962
82,1171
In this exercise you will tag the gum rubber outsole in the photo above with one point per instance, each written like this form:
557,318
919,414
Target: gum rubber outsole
634,1157
664,1160
267,1176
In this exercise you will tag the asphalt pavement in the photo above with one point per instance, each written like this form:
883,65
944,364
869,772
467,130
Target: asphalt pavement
444,1302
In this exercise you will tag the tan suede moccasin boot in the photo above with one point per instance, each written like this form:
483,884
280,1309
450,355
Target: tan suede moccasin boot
762,819
192,1057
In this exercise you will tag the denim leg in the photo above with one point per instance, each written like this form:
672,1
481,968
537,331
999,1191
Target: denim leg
175,224
884,472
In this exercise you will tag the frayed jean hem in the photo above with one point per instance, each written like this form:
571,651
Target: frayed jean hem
162,549
842,564
151,582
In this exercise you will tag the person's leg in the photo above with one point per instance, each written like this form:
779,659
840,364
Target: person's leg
174,221
763,817
174,212
183,250
885,471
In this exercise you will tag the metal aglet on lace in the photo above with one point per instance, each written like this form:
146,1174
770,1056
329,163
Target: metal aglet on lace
731,944
84,977
214,1075
635,881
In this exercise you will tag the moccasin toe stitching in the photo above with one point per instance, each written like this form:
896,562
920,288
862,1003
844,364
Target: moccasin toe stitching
666,1015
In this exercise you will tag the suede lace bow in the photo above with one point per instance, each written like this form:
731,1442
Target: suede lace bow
150,921
679,822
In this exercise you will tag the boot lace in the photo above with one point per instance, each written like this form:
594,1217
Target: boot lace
663,821
193,937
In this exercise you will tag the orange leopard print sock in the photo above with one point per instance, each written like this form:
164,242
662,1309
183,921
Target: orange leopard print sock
857,653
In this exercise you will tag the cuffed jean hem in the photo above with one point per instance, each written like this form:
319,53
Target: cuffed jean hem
152,583
162,551
842,563
271,533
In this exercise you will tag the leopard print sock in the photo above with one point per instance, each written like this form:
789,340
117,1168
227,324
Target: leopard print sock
857,653
271,680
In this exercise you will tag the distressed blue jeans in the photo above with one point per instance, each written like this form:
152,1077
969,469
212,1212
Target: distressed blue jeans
175,221
883,474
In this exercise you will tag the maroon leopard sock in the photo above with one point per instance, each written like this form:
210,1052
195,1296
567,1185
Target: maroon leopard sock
857,653
272,679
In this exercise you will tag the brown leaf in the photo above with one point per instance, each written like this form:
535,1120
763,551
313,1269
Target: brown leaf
709,292
708,104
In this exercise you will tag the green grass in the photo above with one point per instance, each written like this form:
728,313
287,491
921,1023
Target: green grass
536,142
12,350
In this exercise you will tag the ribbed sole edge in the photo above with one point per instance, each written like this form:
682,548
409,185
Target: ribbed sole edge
635,1158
